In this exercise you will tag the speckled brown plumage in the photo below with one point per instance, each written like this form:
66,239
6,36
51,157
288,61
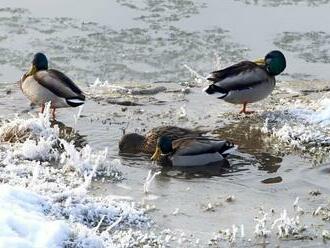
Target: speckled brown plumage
136,143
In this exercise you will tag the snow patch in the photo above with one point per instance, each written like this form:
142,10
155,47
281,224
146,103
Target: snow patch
301,126
44,201
23,222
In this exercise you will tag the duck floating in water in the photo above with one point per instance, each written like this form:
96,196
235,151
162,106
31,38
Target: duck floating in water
189,152
247,81
136,143
42,85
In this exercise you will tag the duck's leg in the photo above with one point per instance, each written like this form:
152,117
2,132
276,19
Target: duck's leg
53,113
244,111
42,108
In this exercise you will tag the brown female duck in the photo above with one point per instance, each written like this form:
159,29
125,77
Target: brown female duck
136,143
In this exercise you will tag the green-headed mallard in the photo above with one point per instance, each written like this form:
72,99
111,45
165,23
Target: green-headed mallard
136,143
247,81
42,85
198,151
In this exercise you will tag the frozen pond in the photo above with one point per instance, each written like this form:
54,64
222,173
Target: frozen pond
171,45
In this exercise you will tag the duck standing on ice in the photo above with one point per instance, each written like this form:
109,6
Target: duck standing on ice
247,81
42,85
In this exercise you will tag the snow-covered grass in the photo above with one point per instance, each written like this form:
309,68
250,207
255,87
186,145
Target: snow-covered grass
28,219
44,200
36,139
269,225
261,229
303,125
19,129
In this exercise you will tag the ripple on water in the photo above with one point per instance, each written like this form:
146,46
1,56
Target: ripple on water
313,47
156,13
112,54
277,3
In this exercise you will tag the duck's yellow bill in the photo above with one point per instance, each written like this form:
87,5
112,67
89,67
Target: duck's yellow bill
156,155
260,61
32,71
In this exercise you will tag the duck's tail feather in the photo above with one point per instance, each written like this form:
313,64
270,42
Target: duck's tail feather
212,76
230,150
212,89
75,101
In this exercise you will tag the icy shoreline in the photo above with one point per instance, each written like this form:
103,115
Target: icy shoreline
40,164
43,196
301,125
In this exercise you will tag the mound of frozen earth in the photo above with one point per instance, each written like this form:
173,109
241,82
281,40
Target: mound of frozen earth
43,195
300,125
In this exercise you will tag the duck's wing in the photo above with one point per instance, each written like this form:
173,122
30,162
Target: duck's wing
243,75
174,132
59,84
197,146
171,131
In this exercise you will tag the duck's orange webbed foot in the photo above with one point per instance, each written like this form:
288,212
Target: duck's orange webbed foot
42,108
244,111
53,113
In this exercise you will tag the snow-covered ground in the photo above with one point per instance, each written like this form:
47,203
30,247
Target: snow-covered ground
299,124
43,195
24,221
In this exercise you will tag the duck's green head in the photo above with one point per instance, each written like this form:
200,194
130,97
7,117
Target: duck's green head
164,146
39,63
274,62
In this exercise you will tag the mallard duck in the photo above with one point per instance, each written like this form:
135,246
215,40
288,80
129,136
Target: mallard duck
247,81
197,151
42,85
136,143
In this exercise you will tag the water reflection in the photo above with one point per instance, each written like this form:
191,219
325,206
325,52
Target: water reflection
223,168
217,169
251,141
